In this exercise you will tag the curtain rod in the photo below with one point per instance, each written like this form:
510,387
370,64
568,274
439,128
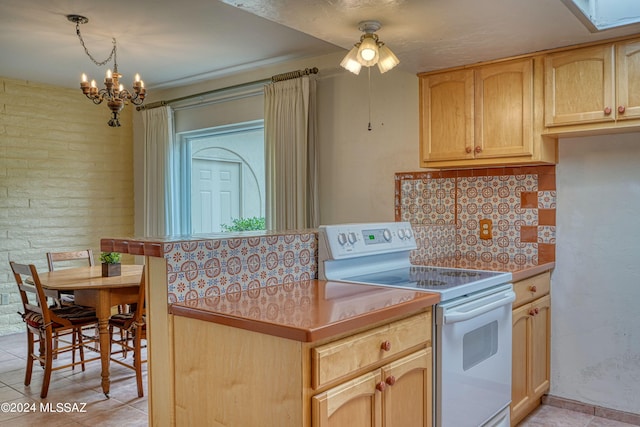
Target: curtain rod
273,79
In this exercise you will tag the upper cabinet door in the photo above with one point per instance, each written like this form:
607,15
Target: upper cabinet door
504,109
628,79
579,86
446,111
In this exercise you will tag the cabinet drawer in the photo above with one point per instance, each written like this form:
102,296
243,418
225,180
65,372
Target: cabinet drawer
345,356
529,289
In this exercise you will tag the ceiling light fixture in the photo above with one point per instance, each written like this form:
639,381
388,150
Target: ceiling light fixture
369,51
113,92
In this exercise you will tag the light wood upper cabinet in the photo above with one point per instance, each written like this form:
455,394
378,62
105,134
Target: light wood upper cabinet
504,109
579,86
628,80
484,115
597,85
446,117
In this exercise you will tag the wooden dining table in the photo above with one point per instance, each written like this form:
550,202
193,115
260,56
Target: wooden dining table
92,290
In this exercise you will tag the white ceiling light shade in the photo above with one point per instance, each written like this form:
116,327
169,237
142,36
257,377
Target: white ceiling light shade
387,60
350,62
369,51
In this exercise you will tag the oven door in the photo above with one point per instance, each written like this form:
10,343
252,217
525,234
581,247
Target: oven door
473,358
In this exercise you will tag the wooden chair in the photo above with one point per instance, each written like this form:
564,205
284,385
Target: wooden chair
44,322
133,329
66,260
69,259
58,257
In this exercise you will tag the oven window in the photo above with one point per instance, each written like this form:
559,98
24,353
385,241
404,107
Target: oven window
479,344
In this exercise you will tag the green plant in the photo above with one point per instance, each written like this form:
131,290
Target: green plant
110,257
245,224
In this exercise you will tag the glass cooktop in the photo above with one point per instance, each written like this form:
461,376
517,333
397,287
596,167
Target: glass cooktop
449,282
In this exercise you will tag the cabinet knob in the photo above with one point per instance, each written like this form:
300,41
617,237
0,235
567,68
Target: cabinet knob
478,149
381,386
533,288
536,310
386,345
607,111
621,109
391,380
532,312
469,150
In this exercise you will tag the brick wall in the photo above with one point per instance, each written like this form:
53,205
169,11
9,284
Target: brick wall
66,179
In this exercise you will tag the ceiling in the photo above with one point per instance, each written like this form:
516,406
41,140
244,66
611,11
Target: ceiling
173,43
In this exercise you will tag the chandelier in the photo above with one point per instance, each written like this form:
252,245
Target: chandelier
113,92
369,51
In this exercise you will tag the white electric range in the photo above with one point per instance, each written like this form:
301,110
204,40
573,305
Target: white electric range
472,322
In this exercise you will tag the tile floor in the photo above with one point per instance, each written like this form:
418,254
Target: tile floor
69,387
125,408
552,416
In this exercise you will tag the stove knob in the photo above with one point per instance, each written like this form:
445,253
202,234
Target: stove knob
401,234
386,234
342,239
409,233
352,238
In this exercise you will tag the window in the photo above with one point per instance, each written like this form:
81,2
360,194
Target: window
600,15
223,176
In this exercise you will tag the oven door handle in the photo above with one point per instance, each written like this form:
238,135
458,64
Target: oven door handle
484,305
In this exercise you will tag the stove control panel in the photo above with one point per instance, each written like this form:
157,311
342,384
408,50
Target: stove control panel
353,240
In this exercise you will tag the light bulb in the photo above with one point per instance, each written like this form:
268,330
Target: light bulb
368,51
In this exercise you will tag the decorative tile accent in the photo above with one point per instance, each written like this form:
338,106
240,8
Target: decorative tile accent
519,201
214,267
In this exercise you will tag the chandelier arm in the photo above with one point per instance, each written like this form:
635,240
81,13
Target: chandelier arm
95,61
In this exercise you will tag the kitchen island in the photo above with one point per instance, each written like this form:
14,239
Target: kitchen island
287,342
301,354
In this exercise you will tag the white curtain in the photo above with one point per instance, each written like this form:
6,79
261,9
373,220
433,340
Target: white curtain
159,193
290,154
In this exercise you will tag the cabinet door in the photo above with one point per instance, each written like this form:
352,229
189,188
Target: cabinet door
540,346
520,395
504,109
628,80
579,86
354,403
446,113
407,398
530,358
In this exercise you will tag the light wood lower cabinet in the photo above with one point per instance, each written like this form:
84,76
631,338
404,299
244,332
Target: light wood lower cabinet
531,345
396,395
377,376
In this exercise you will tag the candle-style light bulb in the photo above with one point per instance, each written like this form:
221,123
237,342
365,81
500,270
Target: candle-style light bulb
141,84
93,83
84,77
137,77
109,75
120,88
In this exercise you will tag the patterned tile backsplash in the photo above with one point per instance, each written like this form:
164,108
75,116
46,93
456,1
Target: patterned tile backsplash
446,208
214,267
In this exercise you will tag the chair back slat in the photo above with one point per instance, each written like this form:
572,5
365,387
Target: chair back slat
141,303
58,257
28,281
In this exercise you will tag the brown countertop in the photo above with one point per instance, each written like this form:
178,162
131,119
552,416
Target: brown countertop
306,311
